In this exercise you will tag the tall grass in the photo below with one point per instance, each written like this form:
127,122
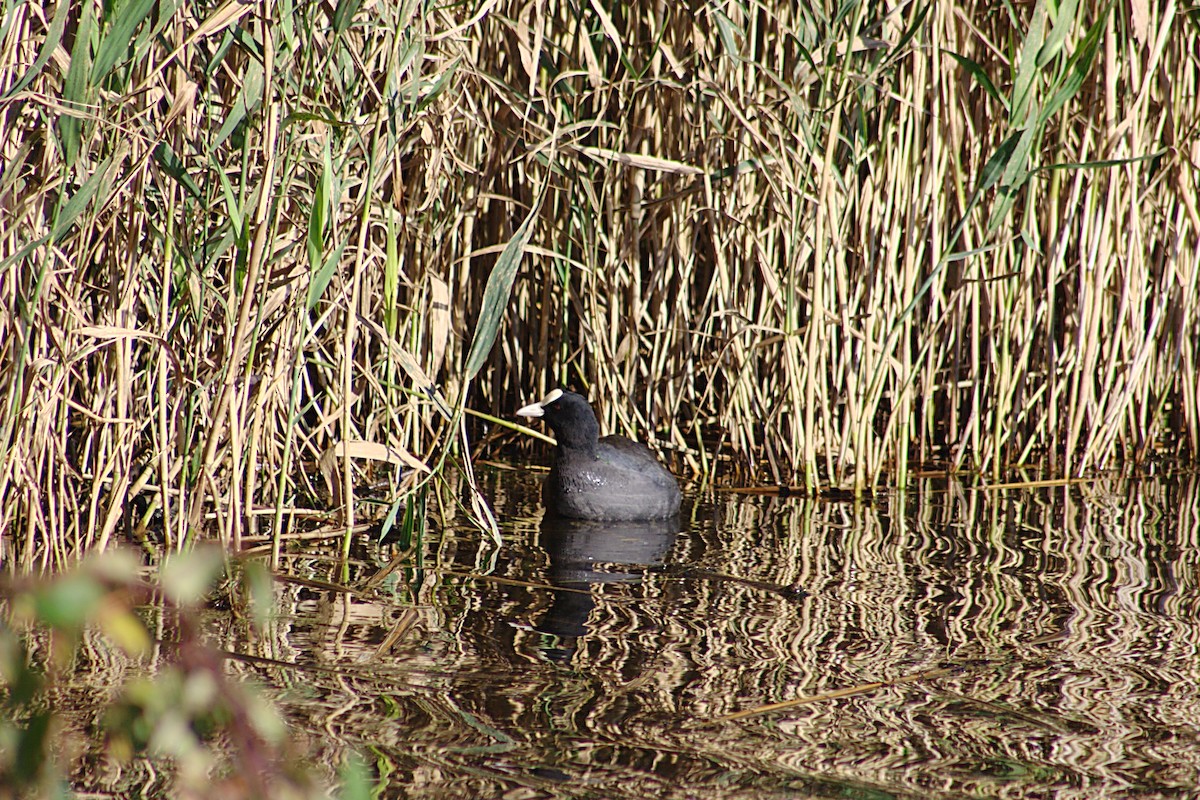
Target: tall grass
814,245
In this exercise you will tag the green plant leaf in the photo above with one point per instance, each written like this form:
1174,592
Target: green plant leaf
78,201
438,86
1103,163
234,209
979,75
355,778
1077,69
495,294
187,577
318,224
125,20
912,30
75,86
33,748
53,38
323,275
315,240
844,10
69,601
343,15
1015,174
389,521
249,98
1027,67
729,34
998,163
260,588
1064,22
124,628
174,167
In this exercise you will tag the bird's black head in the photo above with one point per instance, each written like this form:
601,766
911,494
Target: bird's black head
569,416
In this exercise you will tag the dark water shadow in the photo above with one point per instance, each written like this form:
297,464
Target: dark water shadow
585,554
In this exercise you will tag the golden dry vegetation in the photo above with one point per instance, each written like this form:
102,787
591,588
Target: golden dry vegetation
250,250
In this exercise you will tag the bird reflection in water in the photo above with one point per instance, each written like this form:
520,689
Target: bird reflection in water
584,556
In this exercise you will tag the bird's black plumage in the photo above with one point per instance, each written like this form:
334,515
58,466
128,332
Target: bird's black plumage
608,478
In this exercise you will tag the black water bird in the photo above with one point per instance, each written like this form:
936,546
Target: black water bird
601,479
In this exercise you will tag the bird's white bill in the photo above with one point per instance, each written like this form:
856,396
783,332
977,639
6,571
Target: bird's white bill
538,409
531,410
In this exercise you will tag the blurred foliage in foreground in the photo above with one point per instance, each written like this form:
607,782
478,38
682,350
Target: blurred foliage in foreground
176,724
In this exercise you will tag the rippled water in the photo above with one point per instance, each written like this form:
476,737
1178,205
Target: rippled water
942,644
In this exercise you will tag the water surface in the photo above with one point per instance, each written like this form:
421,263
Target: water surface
943,643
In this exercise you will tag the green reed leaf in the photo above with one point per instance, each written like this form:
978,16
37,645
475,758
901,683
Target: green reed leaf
125,20
496,293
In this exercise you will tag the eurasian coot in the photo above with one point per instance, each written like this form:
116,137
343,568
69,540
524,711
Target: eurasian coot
593,478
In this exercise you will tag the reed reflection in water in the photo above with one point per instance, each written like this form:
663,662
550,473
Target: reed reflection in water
944,643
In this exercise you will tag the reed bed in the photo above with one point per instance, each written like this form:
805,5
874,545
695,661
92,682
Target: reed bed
254,253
